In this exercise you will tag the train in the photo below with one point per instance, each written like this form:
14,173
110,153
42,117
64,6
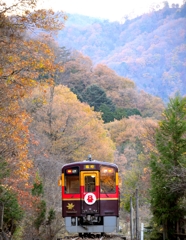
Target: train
90,197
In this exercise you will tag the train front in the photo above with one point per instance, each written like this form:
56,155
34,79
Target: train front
90,197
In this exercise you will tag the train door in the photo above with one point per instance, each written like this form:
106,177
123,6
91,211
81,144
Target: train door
90,192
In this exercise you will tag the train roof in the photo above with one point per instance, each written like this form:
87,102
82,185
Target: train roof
90,162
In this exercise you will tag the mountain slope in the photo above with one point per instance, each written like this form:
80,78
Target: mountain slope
150,49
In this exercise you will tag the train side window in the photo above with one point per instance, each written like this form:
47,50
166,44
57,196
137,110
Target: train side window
72,184
107,180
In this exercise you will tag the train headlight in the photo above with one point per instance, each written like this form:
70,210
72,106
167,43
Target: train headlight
88,218
73,221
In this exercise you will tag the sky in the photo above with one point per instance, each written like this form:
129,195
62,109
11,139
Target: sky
113,10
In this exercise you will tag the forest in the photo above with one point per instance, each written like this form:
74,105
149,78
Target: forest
149,49
58,104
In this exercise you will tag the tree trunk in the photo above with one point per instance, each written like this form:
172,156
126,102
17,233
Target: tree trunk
1,216
165,230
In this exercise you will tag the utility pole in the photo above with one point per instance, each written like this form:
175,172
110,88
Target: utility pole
131,219
142,230
137,216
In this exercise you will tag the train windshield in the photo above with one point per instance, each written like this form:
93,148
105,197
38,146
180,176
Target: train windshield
107,180
72,181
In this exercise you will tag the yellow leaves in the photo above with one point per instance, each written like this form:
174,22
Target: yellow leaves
75,127
41,65
23,63
47,19
9,80
65,17
10,58
23,165
14,138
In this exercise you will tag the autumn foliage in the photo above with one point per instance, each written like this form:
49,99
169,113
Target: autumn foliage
24,60
54,104
67,128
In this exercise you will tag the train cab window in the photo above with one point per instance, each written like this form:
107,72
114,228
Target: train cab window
90,184
107,180
72,181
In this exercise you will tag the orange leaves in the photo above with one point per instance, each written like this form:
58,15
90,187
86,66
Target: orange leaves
18,140
71,128
26,16
132,128
24,61
46,19
35,142
146,170
105,77
23,189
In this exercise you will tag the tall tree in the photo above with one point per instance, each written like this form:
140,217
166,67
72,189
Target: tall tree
134,140
171,144
23,60
95,96
25,57
66,127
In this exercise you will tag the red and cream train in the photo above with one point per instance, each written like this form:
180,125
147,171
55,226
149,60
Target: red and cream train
90,196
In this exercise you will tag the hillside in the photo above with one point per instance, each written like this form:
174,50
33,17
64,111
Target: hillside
99,86
149,49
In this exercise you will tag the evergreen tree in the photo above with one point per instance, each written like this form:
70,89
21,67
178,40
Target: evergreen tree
132,111
4,170
108,115
171,145
120,113
96,96
13,213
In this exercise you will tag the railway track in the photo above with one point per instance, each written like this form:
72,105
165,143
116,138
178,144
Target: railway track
97,237
78,238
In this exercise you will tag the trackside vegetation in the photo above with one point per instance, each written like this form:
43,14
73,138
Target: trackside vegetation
168,167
